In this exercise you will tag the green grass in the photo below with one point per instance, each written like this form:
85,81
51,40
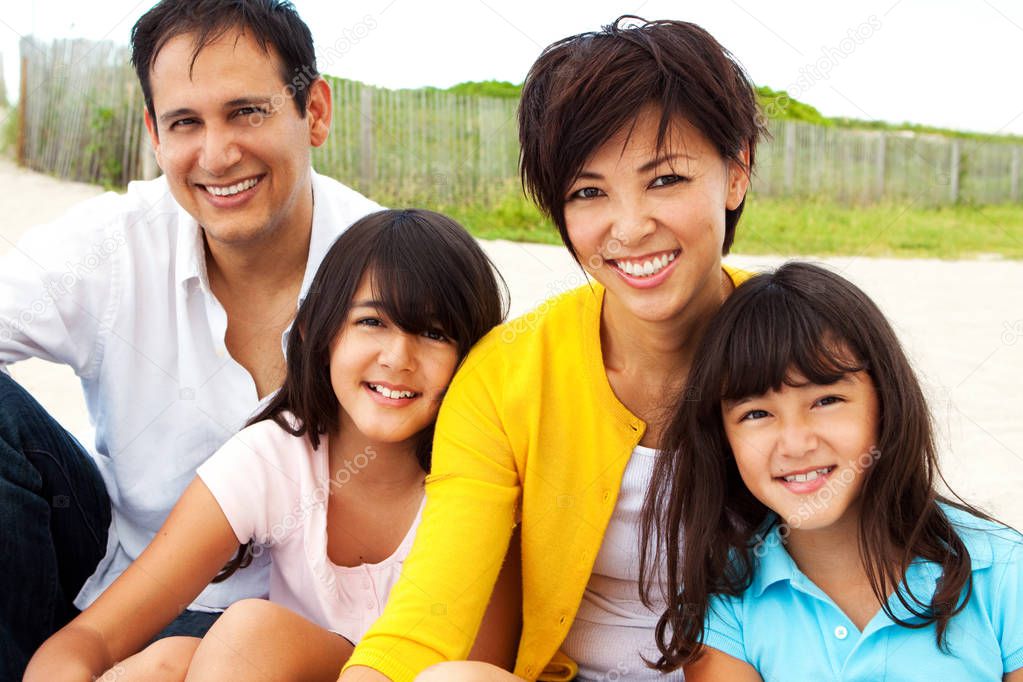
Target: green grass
792,226
809,227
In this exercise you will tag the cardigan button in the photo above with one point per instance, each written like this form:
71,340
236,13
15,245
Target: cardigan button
529,670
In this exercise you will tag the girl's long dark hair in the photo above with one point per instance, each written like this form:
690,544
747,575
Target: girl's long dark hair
804,318
426,272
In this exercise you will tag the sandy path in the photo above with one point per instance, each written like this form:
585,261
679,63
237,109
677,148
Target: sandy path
961,322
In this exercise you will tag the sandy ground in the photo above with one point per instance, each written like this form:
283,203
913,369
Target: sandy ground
961,322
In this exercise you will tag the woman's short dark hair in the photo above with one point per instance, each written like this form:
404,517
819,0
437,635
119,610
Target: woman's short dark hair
806,319
427,273
586,88
272,23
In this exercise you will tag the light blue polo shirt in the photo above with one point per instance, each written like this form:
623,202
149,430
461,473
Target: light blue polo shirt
788,629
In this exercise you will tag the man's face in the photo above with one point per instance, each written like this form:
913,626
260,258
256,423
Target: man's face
231,142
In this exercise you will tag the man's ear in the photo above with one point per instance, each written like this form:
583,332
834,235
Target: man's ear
738,179
154,137
319,111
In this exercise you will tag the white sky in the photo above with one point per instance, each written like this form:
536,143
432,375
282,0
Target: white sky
951,63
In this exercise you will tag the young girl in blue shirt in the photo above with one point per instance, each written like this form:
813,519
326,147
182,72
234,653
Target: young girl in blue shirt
796,508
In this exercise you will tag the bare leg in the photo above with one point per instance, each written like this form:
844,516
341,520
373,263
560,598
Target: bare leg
466,671
258,640
165,660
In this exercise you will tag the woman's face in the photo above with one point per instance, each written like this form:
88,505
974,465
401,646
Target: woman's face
649,224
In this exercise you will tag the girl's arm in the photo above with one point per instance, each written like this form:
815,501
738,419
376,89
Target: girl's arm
716,665
1014,676
498,639
192,546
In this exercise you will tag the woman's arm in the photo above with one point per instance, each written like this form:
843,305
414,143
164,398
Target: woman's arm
192,546
716,665
1014,676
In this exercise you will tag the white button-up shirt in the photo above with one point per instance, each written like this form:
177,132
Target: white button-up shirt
117,289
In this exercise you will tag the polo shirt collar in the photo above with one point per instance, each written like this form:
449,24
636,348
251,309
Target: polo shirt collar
774,564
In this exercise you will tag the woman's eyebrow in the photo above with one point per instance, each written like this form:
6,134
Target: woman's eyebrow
654,163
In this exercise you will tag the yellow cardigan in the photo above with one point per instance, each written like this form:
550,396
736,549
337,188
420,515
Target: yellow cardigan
531,432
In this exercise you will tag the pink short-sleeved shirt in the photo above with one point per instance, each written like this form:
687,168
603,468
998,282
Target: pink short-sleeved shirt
273,487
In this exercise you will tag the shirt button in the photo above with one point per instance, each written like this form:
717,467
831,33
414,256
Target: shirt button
841,632
365,584
370,604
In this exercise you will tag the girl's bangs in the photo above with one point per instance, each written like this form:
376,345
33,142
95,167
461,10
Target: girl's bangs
418,285
777,336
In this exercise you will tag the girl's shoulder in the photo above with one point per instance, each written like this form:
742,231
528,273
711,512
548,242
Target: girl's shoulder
267,443
988,542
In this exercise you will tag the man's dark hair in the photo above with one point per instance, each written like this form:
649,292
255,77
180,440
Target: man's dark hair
586,88
271,23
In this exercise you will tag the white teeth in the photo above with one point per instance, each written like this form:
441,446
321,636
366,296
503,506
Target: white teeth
232,189
646,268
393,395
808,476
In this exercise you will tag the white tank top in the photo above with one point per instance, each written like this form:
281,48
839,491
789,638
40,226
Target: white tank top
613,631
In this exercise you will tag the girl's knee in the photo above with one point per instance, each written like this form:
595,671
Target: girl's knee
247,615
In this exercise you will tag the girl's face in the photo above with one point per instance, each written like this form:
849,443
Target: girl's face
803,450
650,225
389,382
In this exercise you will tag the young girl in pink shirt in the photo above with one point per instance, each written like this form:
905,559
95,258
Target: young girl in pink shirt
327,478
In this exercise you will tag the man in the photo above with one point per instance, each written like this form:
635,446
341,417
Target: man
172,303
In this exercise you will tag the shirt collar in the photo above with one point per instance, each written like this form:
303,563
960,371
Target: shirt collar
191,249
774,564
191,252
325,230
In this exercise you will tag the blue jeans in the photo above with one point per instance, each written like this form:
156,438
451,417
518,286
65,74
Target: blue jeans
54,516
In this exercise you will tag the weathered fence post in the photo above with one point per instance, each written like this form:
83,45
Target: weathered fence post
954,172
366,139
789,180
1014,176
22,103
879,167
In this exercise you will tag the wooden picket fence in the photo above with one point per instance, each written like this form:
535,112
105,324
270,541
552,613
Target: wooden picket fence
80,108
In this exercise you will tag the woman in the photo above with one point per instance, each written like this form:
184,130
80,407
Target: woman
638,142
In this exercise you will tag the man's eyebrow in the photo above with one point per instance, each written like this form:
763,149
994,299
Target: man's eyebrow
176,113
242,101
238,102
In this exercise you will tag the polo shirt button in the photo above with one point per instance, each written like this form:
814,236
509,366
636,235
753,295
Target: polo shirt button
841,632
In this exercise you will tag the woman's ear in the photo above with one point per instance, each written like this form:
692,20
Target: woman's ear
738,179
